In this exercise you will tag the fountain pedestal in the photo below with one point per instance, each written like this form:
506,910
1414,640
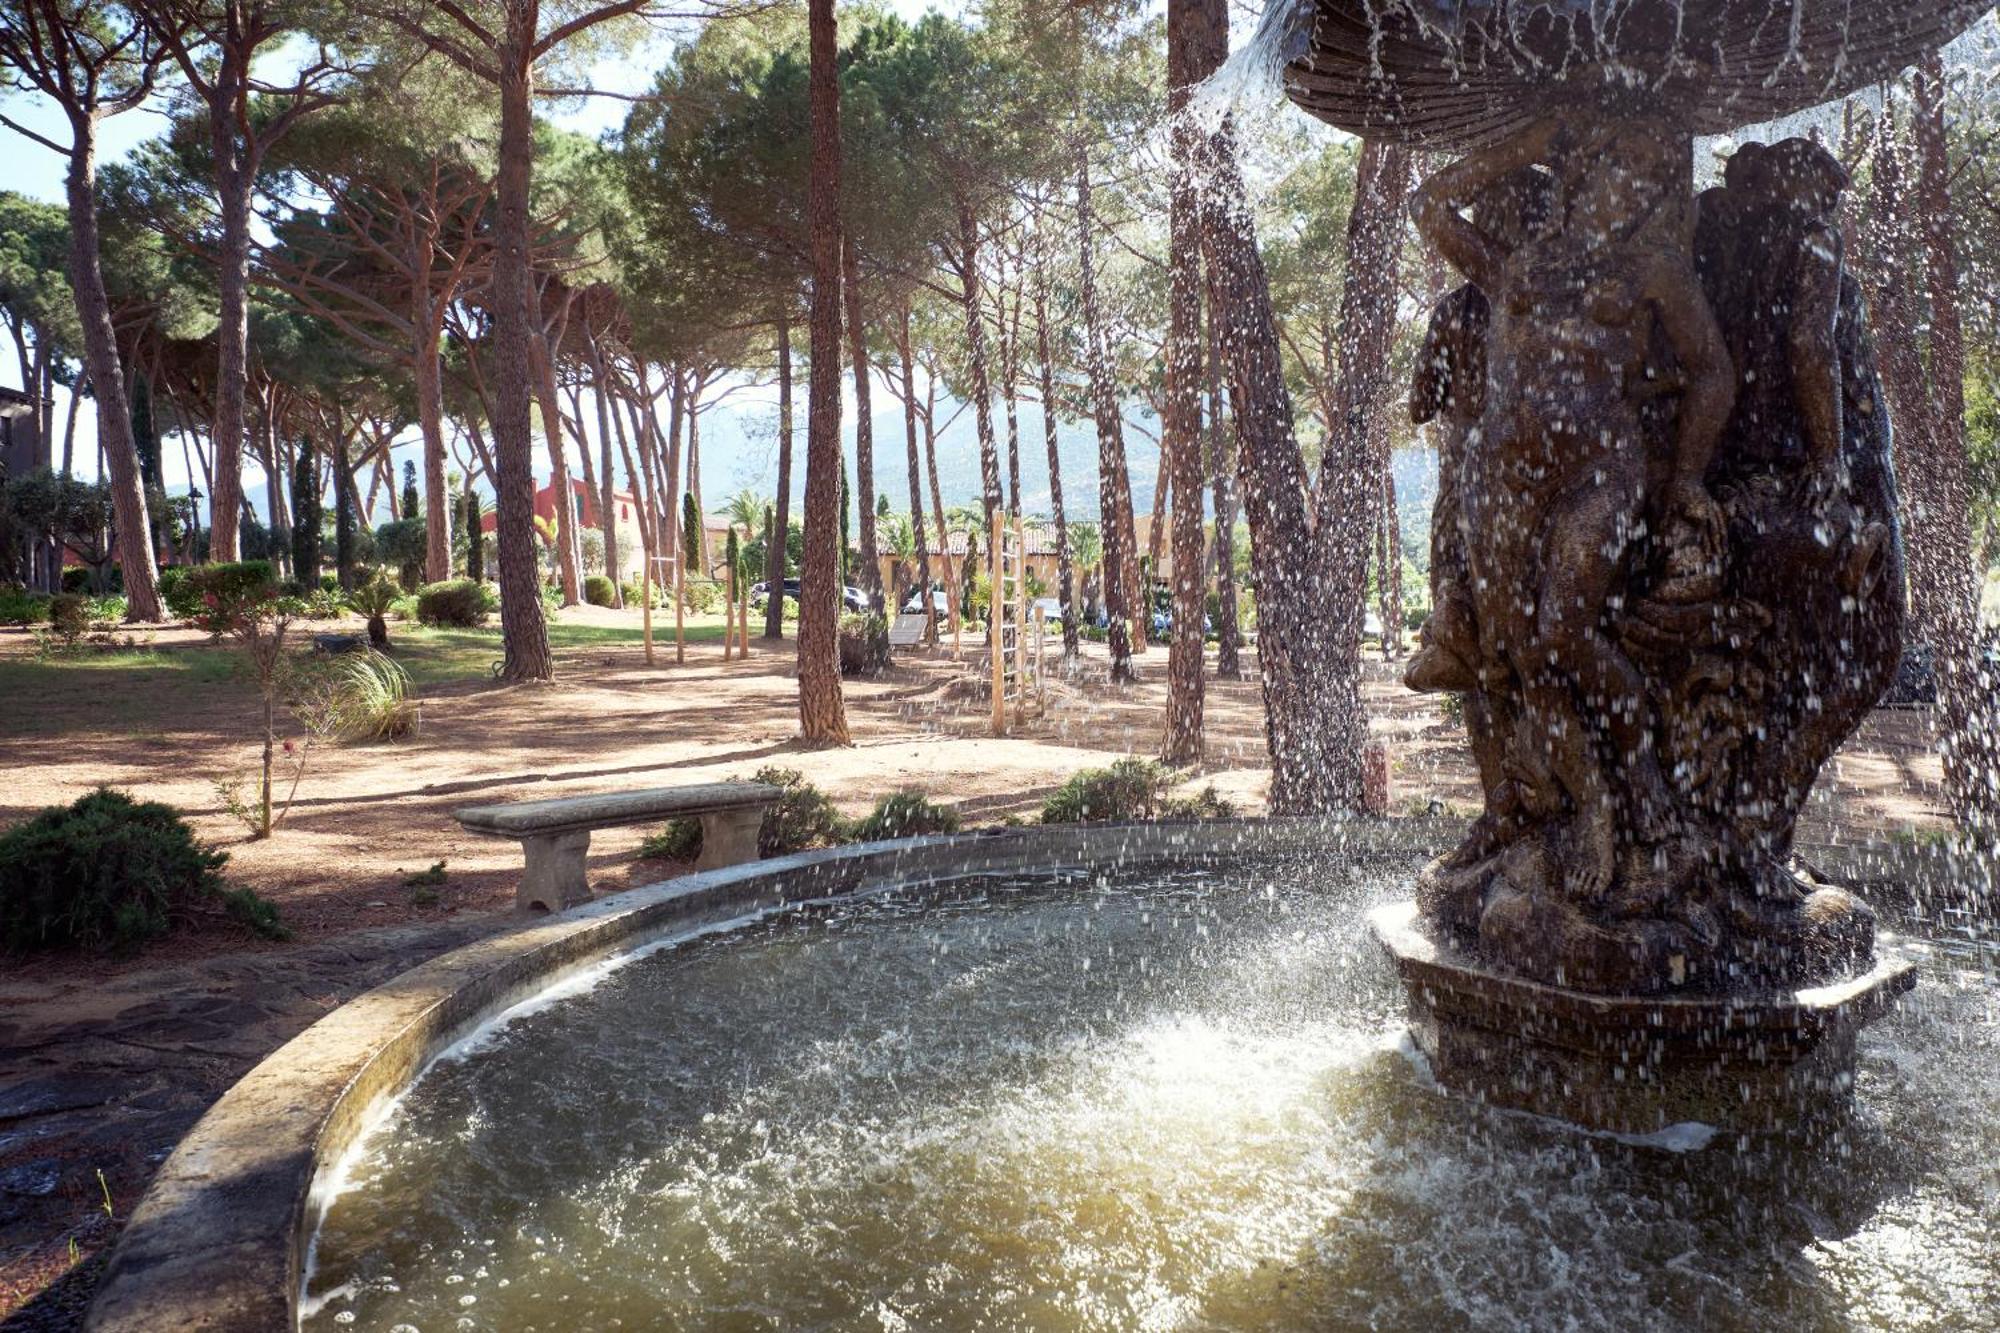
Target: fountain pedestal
1742,1062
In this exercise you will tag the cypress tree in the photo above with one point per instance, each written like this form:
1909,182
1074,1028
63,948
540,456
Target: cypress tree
343,517
475,540
306,516
691,537
145,433
411,507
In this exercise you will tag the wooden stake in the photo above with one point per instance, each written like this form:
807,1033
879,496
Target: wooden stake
996,612
646,600
680,611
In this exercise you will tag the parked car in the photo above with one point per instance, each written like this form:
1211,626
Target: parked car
939,599
760,591
1050,607
851,599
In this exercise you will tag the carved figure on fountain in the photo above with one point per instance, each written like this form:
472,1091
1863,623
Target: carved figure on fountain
1678,544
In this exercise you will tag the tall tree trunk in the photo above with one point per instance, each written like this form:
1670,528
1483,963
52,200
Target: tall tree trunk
1010,391
69,429
982,398
774,555
107,381
1222,467
1065,566
822,718
1392,564
569,548
916,471
229,111
428,364
607,489
937,508
864,423
1314,723
1944,580
1180,433
524,629
1114,485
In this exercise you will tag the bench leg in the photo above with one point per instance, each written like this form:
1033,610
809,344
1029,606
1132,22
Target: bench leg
729,838
554,878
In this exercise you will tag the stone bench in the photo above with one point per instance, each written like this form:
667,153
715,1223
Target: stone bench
555,835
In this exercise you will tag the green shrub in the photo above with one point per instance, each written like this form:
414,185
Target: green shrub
111,873
178,591
455,604
23,608
1130,789
109,608
804,816
1204,804
905,814
635,596
680,840
864,643
75,579
69,616
600,591
704,596
404,543
222,591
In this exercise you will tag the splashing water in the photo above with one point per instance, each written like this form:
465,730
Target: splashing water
1158,1101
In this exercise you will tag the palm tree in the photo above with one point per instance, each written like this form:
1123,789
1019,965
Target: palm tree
1086,546
746,511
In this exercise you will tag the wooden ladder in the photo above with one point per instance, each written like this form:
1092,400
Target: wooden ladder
1015,639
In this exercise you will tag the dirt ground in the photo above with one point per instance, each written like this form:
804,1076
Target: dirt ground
104,1064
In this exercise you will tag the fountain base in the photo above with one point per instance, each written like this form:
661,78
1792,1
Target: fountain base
1747,1063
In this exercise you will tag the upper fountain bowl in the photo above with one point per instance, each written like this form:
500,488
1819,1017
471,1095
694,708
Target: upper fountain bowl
1453,74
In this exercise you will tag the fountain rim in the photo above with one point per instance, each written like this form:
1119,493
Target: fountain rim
221,1238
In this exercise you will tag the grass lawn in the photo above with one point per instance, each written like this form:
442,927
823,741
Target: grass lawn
144,689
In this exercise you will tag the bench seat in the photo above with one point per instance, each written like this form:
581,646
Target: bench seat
555,835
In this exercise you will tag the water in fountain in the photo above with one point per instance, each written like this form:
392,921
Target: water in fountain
1158,1101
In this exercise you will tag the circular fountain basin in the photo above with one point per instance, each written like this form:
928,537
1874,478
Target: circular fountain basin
1109,1079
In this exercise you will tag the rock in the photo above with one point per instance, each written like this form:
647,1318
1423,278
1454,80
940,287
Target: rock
50,1093
32,1180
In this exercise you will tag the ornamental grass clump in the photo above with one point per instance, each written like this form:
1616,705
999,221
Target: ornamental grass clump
110,873
356,696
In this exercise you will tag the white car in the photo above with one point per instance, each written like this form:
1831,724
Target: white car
939,599
1050,607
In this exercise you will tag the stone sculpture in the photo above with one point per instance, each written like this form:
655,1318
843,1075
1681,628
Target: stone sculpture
1669,580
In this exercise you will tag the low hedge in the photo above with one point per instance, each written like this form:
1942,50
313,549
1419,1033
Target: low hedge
455,604
110,873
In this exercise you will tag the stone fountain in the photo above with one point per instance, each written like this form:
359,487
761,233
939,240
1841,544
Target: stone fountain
1667,576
